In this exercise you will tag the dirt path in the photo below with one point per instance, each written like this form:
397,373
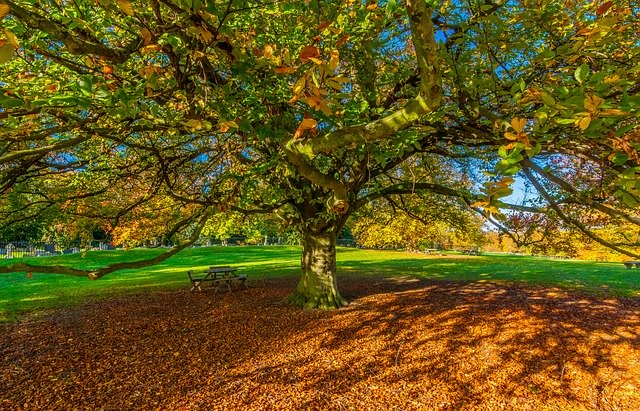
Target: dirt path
401,345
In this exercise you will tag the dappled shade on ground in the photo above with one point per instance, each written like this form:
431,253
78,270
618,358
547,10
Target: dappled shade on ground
403,344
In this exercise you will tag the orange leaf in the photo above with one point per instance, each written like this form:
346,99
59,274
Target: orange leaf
323,25
518,124
342,40
372,6
308,52
285,69
4,10
305,124
313,101
604,8
146,36
150,48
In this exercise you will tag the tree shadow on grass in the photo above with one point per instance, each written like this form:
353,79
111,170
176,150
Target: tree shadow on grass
404,343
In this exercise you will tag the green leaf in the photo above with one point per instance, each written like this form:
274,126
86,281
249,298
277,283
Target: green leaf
581,73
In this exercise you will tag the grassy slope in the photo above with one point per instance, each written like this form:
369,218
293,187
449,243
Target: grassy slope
21,294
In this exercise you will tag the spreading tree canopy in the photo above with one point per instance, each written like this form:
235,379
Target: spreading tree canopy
174,110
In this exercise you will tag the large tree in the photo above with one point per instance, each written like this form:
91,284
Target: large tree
312,109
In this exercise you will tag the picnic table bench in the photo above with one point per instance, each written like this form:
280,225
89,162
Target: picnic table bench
630,264
223,275
471,251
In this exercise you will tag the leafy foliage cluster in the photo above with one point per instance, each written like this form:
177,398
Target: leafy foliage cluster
159,114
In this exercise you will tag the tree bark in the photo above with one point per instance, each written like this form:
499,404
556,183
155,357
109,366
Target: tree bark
318,287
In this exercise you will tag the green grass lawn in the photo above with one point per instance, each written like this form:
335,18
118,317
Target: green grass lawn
19,294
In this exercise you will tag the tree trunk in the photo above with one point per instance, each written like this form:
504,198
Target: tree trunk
318,287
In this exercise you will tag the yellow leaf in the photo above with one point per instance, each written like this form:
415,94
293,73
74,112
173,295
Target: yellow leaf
193,124
510,136
268,51
150,48
591,103
340,79
334,60
206,35
613,112
325,108
334,85
299,86
518,124
584,123
612,79
286,56
481,203
126,7
4,10
12,39
315,60
313,101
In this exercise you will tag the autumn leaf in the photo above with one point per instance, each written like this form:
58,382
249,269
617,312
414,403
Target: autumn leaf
206,35
325,108
584,123
146,36
510,136
592,103
285,70
4,10
323,25
299,86
51,88
342,40
308,52
227,125
604,8
150,48
6,52
126,7
305,124
518,124
12,39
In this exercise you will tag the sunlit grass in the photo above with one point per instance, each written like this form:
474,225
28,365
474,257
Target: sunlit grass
19,294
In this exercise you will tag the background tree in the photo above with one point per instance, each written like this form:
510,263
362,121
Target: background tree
314,109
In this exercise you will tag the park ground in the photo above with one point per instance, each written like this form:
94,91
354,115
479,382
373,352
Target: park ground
422,333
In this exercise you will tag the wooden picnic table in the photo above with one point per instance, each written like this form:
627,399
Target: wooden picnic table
630,264
222,275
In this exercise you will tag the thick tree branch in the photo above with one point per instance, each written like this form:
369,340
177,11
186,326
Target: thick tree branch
569,220
101,272
583,199
76,42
